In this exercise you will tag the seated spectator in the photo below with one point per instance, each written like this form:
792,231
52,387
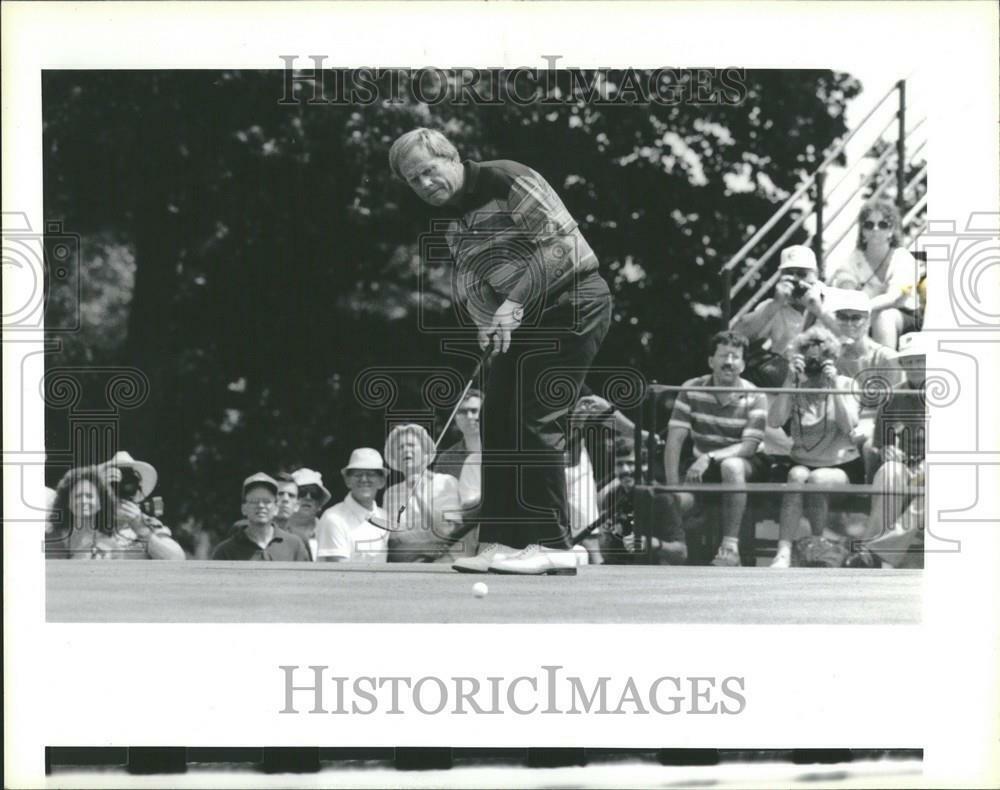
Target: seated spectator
880,267
896,523
261,539
424,510
88,521
776,322
823,450
463,460
726,429
871,365
346,530
618,541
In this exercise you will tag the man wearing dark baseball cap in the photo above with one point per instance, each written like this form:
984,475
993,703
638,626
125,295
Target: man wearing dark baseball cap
261,539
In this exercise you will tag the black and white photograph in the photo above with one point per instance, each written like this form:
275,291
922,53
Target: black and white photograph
552,382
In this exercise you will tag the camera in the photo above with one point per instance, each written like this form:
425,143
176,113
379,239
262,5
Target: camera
799,289
128,487
814,366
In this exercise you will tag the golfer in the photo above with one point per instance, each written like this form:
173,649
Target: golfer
528,280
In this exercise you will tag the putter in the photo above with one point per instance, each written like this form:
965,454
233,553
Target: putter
382,523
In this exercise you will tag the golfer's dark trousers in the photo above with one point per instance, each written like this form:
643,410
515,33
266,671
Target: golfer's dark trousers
529,394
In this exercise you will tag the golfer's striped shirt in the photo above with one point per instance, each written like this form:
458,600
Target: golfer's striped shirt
515,239
717,420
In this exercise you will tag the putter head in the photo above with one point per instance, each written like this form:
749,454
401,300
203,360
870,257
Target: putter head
378,521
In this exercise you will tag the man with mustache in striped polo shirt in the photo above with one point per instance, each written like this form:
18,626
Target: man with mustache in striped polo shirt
726,429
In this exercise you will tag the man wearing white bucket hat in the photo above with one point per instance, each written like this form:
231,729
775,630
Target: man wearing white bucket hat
896,523
345,531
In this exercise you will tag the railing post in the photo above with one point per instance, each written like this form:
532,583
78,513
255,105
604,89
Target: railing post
901,148
727,299
640,419
818,237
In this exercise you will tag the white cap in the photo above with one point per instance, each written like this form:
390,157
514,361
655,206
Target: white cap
915,344
260,479
365,458
846,299
798,256
310,477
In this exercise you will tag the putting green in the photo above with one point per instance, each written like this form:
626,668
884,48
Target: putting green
271,592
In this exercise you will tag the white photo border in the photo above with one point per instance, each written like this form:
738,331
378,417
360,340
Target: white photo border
933,686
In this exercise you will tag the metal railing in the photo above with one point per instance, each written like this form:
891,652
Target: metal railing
889,168
646,429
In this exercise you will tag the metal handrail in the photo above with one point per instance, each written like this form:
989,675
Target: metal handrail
777,390
860,159
876,170
912,213
880,162
815,179
921,175
859,489
766,286
837,150
763,259
918,149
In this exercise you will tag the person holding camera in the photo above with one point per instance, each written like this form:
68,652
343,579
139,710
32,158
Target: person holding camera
772,326
102,513
822,427
619,544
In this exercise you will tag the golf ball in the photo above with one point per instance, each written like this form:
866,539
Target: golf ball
479,590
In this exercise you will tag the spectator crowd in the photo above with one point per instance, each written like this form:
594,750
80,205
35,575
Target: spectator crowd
845,354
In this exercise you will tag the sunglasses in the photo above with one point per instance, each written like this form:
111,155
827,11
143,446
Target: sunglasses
881,225
851,318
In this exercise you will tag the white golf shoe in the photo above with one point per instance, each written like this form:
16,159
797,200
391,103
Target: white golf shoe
535,560
481,562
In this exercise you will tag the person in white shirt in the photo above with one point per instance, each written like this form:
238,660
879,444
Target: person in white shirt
345,531
886,272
